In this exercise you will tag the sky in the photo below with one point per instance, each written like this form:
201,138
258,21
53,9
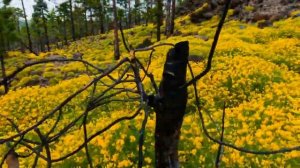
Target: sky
29,5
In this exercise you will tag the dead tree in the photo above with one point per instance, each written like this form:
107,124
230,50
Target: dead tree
170,106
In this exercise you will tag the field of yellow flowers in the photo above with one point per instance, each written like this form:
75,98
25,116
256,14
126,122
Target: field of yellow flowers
255,71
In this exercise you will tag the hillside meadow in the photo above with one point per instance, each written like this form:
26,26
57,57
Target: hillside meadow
255,71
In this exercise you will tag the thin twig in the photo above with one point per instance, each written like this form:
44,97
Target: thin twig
97,134
64,102
142,137
123,37
220,149
153,47
46,145
85,140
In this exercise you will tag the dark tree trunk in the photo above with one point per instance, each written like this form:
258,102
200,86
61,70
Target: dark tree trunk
22,48
147,11
72,21
46,31
2,52
65,31
137,13
170,107
172,25
27,28
129,14
3,72
159,14
168,16
91,22
40,45
101,18
85,18
116,38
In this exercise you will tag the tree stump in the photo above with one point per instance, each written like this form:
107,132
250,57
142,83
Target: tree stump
170,107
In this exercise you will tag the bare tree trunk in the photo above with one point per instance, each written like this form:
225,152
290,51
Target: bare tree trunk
65,31
91,21
27,28
168,13
172,24
85,18
12,160
72,21
46,31
2,52
136,12
116,41
159,14
41,42
101,18
170,107
129,14
3,72
147,11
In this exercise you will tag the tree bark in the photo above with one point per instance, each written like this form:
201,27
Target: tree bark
159,14
137,19
129,14
2,52
170,107
101,18
91,22
65,31
116,38
27,28
3,72
85,18
72,21
46,31
172,24
147,12
168,16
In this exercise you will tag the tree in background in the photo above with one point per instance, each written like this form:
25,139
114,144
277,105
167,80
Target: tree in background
116,27
78,15
168,16
8,35
148,11
84,4
129,14
159,15
137,16
36,25
27,28
101,14
40,11
172,24
54,27
63,13
72,20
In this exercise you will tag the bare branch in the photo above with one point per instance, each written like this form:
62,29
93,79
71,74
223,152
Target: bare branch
220,149
97,134
212,49
123,37
65,102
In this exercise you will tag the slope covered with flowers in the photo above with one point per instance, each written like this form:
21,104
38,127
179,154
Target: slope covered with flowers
255,71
